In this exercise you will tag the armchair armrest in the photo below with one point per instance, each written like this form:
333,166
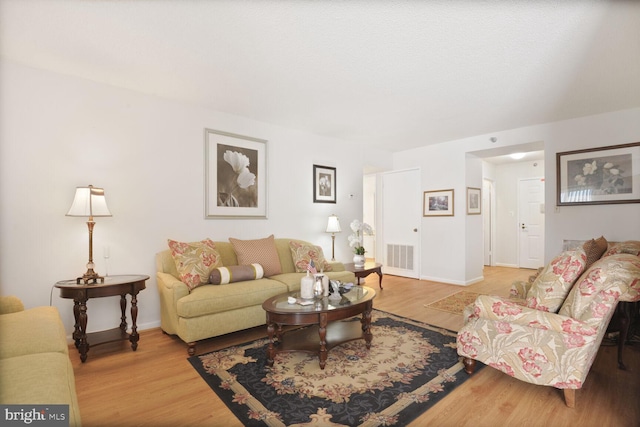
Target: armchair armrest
10,304
498,309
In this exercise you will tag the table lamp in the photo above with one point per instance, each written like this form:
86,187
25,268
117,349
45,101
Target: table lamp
89,202
333,227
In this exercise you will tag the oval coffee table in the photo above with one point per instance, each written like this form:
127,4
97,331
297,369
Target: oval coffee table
326,319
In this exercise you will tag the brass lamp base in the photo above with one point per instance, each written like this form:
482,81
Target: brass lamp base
90,277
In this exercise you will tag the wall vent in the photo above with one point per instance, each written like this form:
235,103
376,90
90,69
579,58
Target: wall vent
400,256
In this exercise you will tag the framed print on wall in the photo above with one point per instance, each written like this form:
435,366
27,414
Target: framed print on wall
437,203
598,176
474,201
324,184
235,175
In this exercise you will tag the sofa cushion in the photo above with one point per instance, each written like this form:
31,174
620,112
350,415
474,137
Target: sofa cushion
258,251
40,379
216,299
303,253
554,282
36,330
235,273
594,249
629,247
194,261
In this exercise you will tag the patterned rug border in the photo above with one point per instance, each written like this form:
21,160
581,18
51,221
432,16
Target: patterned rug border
404,410
441,306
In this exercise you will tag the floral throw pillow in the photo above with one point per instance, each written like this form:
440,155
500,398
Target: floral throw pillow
195,261
302,254
554,282
629,247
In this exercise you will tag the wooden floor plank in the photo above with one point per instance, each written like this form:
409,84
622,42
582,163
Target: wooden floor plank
156,385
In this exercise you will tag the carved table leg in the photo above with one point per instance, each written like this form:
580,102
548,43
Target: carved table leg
322,331
366,325
469,365
625,320
76,326
134,337
83,345
123,311
271,351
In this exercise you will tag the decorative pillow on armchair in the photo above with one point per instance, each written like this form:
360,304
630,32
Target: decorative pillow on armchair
194,261
553,284
629,247
302,254
259,251
594,249
235,273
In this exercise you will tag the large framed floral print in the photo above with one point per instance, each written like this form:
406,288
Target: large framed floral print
598,176
235,175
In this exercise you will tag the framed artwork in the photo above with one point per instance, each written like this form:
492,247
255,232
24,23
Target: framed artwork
598,176
235,171
474,201
324,184
437,203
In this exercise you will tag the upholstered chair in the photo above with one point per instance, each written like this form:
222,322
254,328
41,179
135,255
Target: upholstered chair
532,343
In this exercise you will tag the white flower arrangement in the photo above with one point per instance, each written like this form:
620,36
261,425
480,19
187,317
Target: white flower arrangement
359,230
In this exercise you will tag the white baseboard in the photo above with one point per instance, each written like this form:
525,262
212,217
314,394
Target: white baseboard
498,264
452,282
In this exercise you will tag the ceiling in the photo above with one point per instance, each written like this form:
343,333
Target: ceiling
390,74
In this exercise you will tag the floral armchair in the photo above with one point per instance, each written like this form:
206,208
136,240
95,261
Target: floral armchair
527,340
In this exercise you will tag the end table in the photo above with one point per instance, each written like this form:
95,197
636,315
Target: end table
369,267
112,286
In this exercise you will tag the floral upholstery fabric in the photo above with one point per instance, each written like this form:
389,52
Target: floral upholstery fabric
302,254
547,348
195,261
629,247
554,282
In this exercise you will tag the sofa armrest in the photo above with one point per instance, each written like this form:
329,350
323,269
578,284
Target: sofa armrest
10,304
171,289
498,309
336,266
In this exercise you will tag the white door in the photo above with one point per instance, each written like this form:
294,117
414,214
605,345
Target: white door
401,216
531,222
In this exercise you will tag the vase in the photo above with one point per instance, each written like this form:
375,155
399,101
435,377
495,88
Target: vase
358,260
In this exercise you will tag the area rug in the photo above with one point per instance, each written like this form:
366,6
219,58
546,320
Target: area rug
410,367
454,303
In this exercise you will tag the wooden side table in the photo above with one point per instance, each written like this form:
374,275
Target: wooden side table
361,272
112,286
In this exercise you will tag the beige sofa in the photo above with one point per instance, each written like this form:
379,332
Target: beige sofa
34,358
212,310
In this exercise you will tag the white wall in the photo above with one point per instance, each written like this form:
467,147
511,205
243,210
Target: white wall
443,167
59,132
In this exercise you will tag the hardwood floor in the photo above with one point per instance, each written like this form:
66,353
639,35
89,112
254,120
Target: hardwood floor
156,386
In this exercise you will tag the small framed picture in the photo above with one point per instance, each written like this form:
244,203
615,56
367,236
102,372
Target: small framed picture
324,184
599,176
474,201
437,203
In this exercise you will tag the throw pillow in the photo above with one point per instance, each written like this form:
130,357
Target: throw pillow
194,261
629,247
554,282
302,254
594,249
259,251
235,273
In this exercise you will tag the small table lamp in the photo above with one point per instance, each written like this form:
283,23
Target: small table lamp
333,227
89,202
